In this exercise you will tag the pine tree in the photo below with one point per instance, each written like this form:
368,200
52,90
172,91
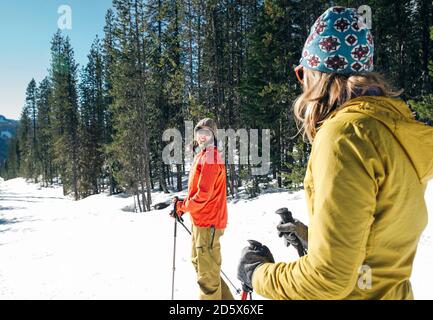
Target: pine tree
10,168
31,94
23,134
92,124
269,86
130,144
166,66
156,16
111,164
65,112
26,133
44,136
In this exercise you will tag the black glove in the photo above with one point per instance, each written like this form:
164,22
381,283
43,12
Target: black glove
292,231
252,256
174,213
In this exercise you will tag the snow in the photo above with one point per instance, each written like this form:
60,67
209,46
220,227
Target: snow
54,248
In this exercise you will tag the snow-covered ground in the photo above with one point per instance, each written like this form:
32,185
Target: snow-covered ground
55,248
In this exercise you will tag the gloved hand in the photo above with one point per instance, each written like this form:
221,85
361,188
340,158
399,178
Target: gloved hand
179,213
293,231
252,256
179,205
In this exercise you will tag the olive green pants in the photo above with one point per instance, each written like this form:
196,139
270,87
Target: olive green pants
206,258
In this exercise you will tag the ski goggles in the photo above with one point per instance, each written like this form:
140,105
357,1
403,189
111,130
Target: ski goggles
204,132
299,71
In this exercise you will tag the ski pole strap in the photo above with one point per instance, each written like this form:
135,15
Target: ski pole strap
186,228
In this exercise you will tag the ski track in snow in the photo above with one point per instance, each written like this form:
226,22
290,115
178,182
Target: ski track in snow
54,248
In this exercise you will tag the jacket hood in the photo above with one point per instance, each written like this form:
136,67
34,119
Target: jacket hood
415,137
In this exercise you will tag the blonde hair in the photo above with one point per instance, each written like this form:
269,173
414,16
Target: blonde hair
324,93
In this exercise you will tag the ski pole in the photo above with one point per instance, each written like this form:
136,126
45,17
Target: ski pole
246,293
174,255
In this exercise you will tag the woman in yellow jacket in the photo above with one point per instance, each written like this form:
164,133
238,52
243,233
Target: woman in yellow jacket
366,177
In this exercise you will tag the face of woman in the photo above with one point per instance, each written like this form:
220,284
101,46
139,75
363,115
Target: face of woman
204,136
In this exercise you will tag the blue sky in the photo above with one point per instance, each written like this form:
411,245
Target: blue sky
26,29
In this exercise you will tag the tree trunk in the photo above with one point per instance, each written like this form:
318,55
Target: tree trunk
138,199
232,179
143,196
278,153
179,177
148,187
240,166
425,13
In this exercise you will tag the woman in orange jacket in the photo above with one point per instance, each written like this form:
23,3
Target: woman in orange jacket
207,204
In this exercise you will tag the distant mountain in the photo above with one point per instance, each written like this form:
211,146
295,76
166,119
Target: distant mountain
8,129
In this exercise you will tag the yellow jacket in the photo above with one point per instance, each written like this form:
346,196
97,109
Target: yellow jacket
365,183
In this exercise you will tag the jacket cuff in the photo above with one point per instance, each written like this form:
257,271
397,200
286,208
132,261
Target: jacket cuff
258,277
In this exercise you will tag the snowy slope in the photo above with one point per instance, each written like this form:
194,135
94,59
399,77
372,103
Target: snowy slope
55,248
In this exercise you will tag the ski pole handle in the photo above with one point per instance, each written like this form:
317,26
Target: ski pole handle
286,217
174,211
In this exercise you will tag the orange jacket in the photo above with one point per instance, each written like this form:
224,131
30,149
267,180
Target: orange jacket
207,197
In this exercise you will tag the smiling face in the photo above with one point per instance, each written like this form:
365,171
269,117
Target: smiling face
204,136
